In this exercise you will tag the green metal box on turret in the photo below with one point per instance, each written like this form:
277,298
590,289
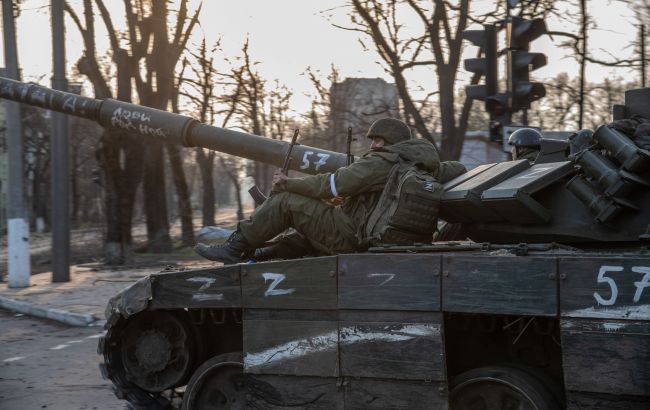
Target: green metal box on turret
462,202
513,199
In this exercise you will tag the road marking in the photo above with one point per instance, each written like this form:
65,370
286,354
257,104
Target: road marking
75,341
59,347
13,359
97,336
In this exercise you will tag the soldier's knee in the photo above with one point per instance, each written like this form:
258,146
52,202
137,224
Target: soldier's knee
281,196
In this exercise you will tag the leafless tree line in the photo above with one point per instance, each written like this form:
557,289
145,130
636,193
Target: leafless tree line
150,63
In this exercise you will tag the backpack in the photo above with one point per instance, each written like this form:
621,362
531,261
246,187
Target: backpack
407,209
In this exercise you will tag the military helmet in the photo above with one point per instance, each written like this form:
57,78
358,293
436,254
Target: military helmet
525,137
391,130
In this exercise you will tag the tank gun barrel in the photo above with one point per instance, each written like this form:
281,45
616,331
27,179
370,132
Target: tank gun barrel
174,128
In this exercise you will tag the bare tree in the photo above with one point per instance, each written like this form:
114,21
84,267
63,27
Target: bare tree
439,44
245,101
153,61
174,153
233,167
145,57
559,110
118,154
200,92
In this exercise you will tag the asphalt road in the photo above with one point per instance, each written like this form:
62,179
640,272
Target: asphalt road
44,365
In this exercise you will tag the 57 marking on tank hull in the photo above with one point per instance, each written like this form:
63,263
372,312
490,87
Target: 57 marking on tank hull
618,292
640,285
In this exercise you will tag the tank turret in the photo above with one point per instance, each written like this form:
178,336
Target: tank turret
595,197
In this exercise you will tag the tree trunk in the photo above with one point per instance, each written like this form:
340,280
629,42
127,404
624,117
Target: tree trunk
451,144
240,207
206,166
155,201
184,204
108,158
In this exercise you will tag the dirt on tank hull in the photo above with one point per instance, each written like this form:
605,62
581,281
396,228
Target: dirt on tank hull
383,330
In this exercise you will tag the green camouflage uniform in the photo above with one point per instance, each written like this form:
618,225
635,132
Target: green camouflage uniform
334,229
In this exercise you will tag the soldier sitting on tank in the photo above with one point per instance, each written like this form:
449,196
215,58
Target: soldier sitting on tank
298,202
526,144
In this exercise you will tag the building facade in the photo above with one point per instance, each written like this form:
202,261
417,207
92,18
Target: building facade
357,103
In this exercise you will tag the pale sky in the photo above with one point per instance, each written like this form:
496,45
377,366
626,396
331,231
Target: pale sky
286,36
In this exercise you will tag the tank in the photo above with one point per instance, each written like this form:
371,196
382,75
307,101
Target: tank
547,307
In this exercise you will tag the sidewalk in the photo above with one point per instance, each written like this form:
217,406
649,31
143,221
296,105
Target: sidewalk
82,300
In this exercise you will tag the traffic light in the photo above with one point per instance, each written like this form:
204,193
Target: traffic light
500,115
496,104
520,62
486,66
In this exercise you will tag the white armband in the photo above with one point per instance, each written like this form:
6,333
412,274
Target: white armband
333,186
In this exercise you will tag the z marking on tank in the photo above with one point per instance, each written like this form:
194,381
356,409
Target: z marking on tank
349,335
388,276
202,279
206,282
276,279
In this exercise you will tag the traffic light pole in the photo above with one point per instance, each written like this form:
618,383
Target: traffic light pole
17,226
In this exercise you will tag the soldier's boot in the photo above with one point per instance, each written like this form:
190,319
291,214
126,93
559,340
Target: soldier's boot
236,249
266,253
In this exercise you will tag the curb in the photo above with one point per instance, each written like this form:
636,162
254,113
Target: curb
59,315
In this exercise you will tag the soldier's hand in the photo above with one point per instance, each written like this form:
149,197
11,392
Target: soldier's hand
279,182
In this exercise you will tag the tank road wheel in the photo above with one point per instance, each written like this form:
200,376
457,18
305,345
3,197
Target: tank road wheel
500,388
217,384
157,351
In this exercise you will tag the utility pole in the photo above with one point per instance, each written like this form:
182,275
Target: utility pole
17,226
643,55
583,61
60,157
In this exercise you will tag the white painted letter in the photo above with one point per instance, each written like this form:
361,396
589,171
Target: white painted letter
614,289
643,283
305,159
322,160
277,278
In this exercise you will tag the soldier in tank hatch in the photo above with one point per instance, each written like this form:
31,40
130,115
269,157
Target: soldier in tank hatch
526,144
298,202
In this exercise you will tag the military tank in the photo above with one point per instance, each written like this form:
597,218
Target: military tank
547,307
